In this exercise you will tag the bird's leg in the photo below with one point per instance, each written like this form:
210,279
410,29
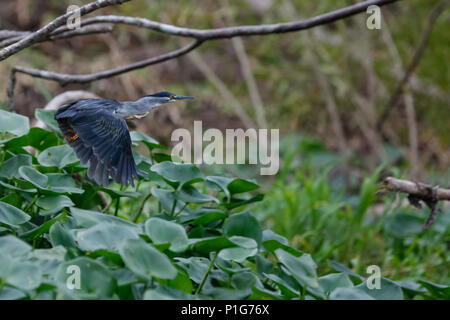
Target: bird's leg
73,137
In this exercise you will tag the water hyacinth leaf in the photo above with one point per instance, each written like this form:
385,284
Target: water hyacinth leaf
168,200
61,183
88,218
120,194
244,280
243,224
237,254
37,138
163,231
438,291
203,216
349,294
10,168
20,274
148,141
196,267
232,186
264,294
211,244
12,125
181,282
57,156
189,194
13,246
286,289
12,216
178,174
43,228
332,281
51,204
165,293
237,202
388,290
146,261
33,176
11,294
60,236
14,199
96,280
105,236
302,268
11,187
48,118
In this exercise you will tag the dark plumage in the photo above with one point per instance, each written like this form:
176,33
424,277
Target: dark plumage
100,138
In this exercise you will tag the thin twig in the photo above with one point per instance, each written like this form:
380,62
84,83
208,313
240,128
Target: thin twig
45,31
420,190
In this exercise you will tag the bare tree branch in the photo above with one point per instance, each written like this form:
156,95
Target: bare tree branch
393,101
45,31
418,189
238,31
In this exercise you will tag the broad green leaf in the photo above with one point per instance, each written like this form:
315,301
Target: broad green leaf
48,118
196,267
61,183
388,290
178,174
37,138
12,125
59,235
11,294
145,260
165,293
33,176
438,291
148,141
286,289
168,200
11,215
120,194
87,219
232,186
104,236
96,280
22,275
349,294
43,228
243,224
10,168
302,268
14,247
203,216
58,156
51,204
163,231
332,281
341,268
189,194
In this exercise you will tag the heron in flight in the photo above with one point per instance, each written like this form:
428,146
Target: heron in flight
96,129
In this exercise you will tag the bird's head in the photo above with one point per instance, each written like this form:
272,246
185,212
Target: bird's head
165,97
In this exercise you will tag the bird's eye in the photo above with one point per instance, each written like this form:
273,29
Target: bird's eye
172,97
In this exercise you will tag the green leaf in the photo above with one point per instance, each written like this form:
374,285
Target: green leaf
120,194
37,138
20,274
332,281
43,228
146,261
203,216
388,290
12,125
10,168
243,224
48,118
59,235
163,231
190,194
11,294
349,294
196,267
61,183
95,279
232,186
13,247
52,204
58,156
11,215
148,141
237,202
104,236
168,199
438,291
165,293
178,174
286,289
302,268
33,176
87,219
341,268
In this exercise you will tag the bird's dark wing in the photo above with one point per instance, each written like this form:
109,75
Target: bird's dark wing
99,137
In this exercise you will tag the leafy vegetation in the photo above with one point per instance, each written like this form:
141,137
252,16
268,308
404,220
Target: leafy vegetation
178,235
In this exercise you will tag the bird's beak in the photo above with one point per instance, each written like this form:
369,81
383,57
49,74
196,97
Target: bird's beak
183,98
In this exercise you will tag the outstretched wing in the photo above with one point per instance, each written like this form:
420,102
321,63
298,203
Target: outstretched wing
99,137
